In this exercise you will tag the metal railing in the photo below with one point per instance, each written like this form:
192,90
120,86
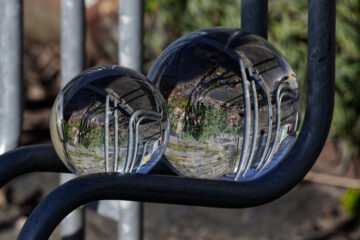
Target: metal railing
11,72
159,186
72,62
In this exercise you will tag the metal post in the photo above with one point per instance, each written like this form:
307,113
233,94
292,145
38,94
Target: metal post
130,33
130,55
11,73
254,16
106,157
72,39
72,62
320,62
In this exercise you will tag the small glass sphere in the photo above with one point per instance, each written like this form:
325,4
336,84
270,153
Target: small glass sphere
109,119
233,104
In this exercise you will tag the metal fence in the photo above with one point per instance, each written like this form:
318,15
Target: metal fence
320,98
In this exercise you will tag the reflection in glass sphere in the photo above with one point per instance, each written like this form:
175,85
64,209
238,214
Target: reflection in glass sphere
109,119
233,104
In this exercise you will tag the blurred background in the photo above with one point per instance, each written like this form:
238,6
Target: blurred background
322,207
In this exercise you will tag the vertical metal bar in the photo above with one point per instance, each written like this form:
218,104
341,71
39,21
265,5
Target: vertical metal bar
106,133
247,125
130,55
254,16
116,135
143,153
72,62
130,221
136,141
255,125
279,95
72,39
269,131
321,41
321,68
130,33
132,121
1,19
11,73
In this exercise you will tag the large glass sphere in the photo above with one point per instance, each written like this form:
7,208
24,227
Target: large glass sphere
233,103
109,119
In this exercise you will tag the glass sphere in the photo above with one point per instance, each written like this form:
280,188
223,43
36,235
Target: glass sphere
233,104
109,119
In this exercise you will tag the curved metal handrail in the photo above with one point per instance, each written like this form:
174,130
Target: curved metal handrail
36,158
41,158
138,187
178,190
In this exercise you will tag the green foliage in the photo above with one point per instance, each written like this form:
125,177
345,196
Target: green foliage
203,121
167,20
123,139
67,131
95,138
346,122
171,105
288,32
351,201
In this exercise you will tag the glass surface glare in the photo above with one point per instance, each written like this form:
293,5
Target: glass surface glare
109,119
233,102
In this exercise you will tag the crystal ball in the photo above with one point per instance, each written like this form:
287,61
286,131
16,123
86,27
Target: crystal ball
109,119
233,102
